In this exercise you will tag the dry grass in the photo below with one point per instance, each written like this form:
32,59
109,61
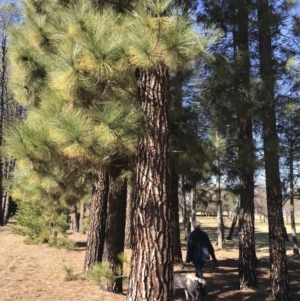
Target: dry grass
36,272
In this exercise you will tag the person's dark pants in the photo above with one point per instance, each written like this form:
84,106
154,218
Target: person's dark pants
199,273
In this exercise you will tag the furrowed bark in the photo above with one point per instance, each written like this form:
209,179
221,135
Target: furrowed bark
98,212
247,255
115,226
152,272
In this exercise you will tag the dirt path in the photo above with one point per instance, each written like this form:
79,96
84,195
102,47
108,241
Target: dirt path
35,273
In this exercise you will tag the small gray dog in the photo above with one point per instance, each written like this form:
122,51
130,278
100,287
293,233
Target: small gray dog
188,282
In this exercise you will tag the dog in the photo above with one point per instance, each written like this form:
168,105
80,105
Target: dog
189,282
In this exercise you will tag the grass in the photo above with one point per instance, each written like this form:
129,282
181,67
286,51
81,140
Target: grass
69,273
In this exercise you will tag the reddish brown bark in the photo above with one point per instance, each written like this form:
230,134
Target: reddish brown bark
97,222
152,272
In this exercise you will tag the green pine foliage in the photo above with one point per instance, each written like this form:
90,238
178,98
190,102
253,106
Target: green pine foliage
101,272
74,71
69,273
39,222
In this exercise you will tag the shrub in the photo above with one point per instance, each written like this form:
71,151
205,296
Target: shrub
41,224
61,243
69,273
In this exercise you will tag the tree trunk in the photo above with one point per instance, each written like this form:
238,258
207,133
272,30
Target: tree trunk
2,114
186,216
220,224
97,216
234,218
81,218
280,285
221,235
176,115
115,227
175,217
1,212
247,255
193,202
6,201
74,222
292,209
152,271
128,224
8,166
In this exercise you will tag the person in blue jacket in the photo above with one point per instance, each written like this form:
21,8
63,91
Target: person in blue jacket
199,249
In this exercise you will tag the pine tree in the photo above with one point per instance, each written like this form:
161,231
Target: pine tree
9,109
71,59
78,60
157,44
280,285
247,255
234,106
289,132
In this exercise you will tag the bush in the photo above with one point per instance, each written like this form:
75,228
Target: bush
61,243
31,221
100,273
41,224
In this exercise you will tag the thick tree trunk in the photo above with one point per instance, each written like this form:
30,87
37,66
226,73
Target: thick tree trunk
280,284
247,255
152,271
175,217
115,227
97,222
129,216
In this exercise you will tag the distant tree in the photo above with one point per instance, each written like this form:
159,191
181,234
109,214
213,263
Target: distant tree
289,131
9,109
229,88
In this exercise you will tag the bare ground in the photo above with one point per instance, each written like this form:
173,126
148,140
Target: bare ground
35,272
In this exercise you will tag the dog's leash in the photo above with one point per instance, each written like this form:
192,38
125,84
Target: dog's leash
216,266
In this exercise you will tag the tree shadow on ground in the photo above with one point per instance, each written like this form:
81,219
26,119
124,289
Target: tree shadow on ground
80,246
223,284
